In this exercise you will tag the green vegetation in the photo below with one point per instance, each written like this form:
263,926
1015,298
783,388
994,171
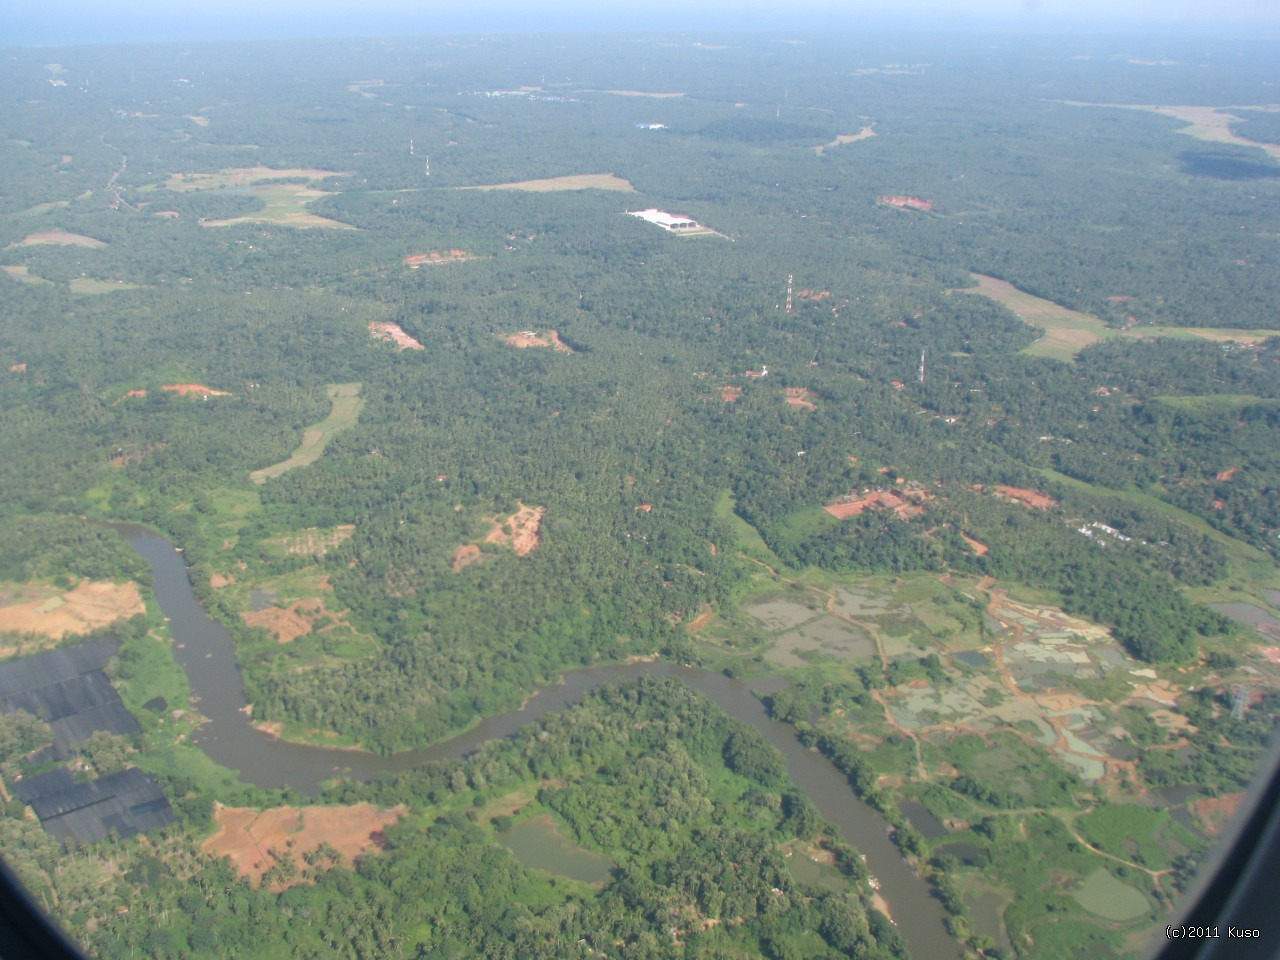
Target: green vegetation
346,408
1123,469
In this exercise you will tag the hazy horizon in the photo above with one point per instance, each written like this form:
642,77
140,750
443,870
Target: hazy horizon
74,22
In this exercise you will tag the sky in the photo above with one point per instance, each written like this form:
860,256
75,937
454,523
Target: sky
56,22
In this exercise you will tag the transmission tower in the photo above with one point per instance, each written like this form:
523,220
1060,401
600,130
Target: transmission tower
790,280
1239,700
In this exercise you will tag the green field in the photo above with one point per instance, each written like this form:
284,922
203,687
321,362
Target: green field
1106,896
346,408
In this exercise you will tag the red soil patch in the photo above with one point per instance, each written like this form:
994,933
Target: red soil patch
701,621
814,295
88,606
907,203
1272,654
1216,812
801,398
17,368
1028,498
124,459
904,503
465,555
520,531
524,339
1118,298
168,213
559,344
386,330
220,580
730,394
1228,473
288,623
645,507
434,257
978,547
253,839
193,389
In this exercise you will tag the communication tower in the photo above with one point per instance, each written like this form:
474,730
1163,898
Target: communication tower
1239,700
922,366
790,280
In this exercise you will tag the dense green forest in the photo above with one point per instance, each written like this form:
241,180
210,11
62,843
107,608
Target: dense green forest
154,356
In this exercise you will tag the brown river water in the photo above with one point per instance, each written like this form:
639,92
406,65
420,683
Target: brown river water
204,649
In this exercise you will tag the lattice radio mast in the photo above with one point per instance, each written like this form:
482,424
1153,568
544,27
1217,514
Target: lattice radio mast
790,280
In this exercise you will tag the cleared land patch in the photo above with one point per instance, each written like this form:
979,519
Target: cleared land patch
538,843
255,839
386,330
801,398
283,203
59,238
433,257
531,338
1212,124
842,138
45,610
23,274
90,286
645,93
520,532
580,181
314,541
296,620
1066,332
1103,894
347,403
903,202
243,177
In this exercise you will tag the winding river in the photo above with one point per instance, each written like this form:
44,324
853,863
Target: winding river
204,650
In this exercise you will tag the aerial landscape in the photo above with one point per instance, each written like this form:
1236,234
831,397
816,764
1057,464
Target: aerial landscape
635,495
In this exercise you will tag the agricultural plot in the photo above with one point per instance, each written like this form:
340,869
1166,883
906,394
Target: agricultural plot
47,611
1067,332
284,203
255,841
577,181
347,402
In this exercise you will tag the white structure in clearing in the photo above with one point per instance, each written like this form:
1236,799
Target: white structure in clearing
668,221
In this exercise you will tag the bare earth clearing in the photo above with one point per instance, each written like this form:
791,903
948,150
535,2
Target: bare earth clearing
182,390
347,402
1028,498
50,612
903,202
581,181
801,398
314,541
23,275
433,257
1212,124
58,238
520,532
253,839
386,330
841,138
296,620
644,93
531,338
